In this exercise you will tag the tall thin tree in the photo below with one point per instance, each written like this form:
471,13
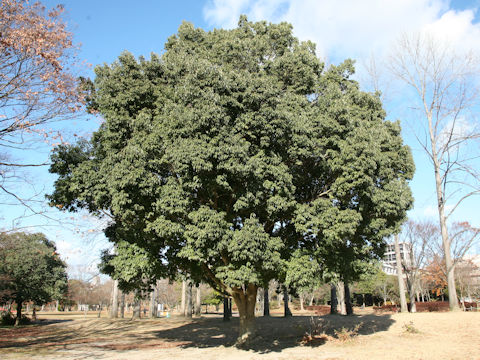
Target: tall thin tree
446,90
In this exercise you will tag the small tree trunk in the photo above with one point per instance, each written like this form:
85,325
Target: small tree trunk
114,308
266,301
311,300
184,293
411,294
19,311
446,241
57,304
401,283
245,301
198,302
122,305
286,309
301,302
188,301
34,313
152,308
341,297
259,302
348,302
136,306
333,299
226,310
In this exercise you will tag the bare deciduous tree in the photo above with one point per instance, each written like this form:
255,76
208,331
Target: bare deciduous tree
38,85
418,237
445,84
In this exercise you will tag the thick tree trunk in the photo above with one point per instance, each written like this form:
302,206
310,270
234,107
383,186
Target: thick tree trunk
266,301
122,305
188,301
401,283
198,302
286,309
245,301
311,300
184,294
19,311
333,299
114,308
348,302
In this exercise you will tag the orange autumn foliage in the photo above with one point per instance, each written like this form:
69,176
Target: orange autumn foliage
37,70
435,274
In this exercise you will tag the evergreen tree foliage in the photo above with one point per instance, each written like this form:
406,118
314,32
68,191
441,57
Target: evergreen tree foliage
231,151
30,270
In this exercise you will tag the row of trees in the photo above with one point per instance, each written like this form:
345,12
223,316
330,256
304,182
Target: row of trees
426,262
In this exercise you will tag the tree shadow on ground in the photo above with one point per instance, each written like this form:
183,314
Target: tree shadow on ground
40,335
273,333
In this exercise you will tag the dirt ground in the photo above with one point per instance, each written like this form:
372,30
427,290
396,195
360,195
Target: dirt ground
380,336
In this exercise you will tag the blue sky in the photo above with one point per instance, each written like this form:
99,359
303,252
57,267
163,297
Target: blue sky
341,29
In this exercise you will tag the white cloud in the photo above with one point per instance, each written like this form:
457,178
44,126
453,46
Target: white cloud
432,210
352,28
453,134
67,250
456,28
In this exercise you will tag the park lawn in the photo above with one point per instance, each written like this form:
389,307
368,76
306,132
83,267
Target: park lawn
450,335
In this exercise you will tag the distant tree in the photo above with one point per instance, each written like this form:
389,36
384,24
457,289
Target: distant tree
132,266
32,268
37,80
467,275
78,291
213,298
374,281
303,275
435,274
220,165
419,237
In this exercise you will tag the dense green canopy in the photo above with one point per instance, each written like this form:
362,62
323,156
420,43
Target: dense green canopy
30,269
232,150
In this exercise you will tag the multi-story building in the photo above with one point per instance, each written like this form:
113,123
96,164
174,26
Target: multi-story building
389,262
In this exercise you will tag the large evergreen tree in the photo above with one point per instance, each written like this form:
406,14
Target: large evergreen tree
232,150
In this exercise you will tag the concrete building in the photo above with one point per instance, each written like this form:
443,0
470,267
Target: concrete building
389,262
